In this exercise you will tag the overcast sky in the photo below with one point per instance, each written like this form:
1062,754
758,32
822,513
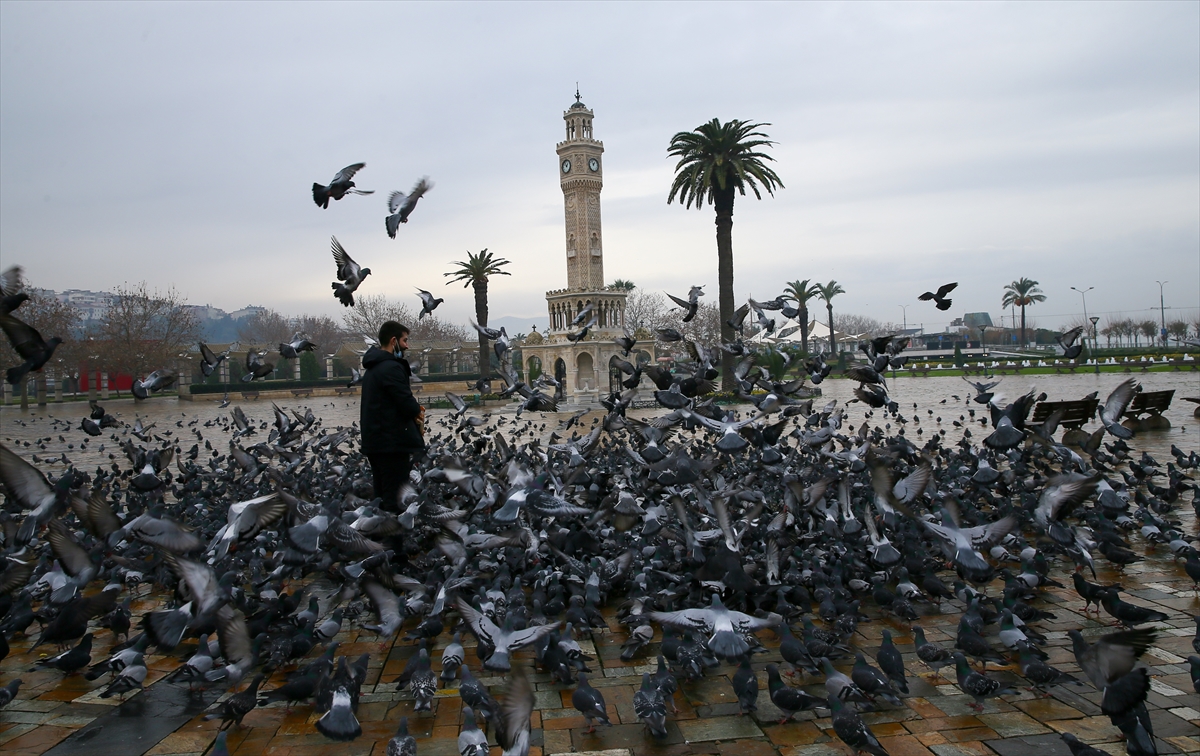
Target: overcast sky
919,144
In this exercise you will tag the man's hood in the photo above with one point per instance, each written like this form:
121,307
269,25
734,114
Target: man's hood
375,356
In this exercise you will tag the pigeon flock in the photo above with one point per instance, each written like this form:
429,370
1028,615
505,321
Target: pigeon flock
692,535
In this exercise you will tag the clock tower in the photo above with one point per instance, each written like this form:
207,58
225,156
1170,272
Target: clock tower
582,365
581,176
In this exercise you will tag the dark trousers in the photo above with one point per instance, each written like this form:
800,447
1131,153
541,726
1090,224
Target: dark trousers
390,470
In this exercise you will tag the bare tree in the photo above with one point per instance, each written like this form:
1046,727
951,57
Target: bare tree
265,328
373,310
705,328
853,325
646,309
1149,329
144,330
322,330
1178,329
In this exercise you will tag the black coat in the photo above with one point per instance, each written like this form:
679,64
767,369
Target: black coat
389,410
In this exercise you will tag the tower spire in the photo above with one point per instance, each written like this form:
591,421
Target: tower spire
577,92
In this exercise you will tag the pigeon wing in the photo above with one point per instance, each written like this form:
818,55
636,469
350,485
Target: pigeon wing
946,289
484,628
347,269
22,480
348,172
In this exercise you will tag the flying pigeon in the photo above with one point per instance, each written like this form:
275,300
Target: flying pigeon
939,298
349,274
401,205
342,184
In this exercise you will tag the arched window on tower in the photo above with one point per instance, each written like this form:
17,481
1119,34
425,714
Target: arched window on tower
587,129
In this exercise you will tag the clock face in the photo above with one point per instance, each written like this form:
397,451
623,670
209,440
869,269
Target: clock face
594,164
566,166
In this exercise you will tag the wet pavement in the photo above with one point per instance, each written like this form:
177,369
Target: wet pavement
65,715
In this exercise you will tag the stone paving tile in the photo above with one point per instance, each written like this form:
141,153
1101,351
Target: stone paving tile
719,728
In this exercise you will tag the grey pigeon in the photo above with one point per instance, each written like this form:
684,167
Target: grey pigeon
350,274
342,184
401,205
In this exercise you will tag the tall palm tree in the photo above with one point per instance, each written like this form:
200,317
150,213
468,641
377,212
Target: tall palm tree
717,161
622,285
1021,293
800,292
475,272
828,292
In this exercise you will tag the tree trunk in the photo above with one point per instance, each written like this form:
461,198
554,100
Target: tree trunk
1023,342
832,339
723,201
804,328
481,316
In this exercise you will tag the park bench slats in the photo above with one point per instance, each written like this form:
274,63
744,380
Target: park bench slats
1075,413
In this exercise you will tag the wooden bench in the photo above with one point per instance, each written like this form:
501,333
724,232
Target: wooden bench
1178,365
346,390
249,394
302,392
1075,413
1152,404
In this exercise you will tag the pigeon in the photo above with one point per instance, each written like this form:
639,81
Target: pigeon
209,361
1114,407
403,744
502,640
256,366
976,685
452,658
9,692
650,708
428,303
350,275
12,295
891,661
341,185
689,305
512,722
851,730
745,686
423,683
401,205
128,679
298,345
28,343
1071,350
237,706
590,703
471,740
939,297
726,628
1042,674
71,661
1079,748
339,722
789,700
1128,614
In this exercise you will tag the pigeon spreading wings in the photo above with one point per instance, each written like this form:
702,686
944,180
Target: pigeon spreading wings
401,205
428,303
724,626
341,184
939,297
350,274
1114,407
501,639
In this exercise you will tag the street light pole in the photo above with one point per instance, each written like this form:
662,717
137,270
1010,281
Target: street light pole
1095,341
1083,293
904,309
1162,309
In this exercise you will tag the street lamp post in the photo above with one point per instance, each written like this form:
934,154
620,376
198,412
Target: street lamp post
1162,310
983,348
1095,319
904,309
1083,293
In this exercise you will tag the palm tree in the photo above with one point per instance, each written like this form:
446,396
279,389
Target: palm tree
828,292
717,161
475,272
622,285
800,292
1021,293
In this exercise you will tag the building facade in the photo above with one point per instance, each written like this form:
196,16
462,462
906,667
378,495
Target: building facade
582,366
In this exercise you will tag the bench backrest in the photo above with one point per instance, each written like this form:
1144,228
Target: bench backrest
1151,401
1075,412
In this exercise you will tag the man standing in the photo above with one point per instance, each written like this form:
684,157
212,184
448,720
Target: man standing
391,418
